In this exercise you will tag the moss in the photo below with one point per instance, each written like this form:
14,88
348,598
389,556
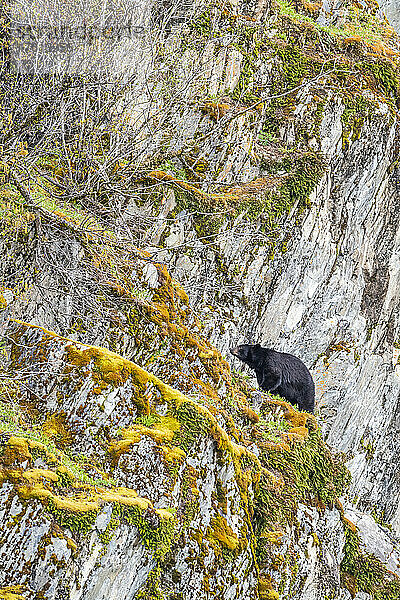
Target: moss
216,110
55,427
357,110
151,589
315,471
173,454
78,510
221,534
294,65
362,571
119,447
12,592
385,76
77,521
156,530
221,496
362,29
34,475
269,595
249,45
368,447
16,451
30,449
296,467
271,198
202,24
274,537
316,541
305,173
266,591
3,302
308,473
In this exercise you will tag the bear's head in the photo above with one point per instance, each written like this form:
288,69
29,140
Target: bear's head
248,353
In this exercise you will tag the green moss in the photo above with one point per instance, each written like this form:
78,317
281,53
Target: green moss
294,65
69,470
202,24
362,571
106,535
286,8
357,110
248,44
303,172
193,423
77,522
315,471
368,447
385,76
156,533
361,28
308,473
295,466
151,589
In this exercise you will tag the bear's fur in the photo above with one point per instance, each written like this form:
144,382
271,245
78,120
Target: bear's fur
280,373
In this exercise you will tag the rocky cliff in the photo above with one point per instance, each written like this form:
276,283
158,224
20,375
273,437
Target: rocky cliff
261,203
391,11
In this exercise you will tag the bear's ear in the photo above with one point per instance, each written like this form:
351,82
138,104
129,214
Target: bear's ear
257,346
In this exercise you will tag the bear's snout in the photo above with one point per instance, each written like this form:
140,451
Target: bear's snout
234,351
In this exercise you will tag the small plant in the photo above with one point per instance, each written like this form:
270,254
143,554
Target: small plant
147,420
272,427
265,137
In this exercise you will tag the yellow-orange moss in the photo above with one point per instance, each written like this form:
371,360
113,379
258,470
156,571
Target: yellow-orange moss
265,589
219,531
119,447
209,199
33,475
161,432
302,432
249,413
273,537
349,524
295,417
3,303
55,427
173,454
110,369
311,7
12,592
16,450
215,110
34,491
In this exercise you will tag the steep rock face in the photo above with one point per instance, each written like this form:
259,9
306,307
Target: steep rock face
337,306
391,10
270,190
200,515
326,285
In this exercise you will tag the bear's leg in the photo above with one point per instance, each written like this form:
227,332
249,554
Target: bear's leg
306,401
268,382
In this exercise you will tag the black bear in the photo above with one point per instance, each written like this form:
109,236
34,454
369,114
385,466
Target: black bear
281,373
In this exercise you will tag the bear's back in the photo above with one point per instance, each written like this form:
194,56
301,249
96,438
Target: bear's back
292,367
297,384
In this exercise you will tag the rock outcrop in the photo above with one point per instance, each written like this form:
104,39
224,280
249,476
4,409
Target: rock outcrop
119,486
391,11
